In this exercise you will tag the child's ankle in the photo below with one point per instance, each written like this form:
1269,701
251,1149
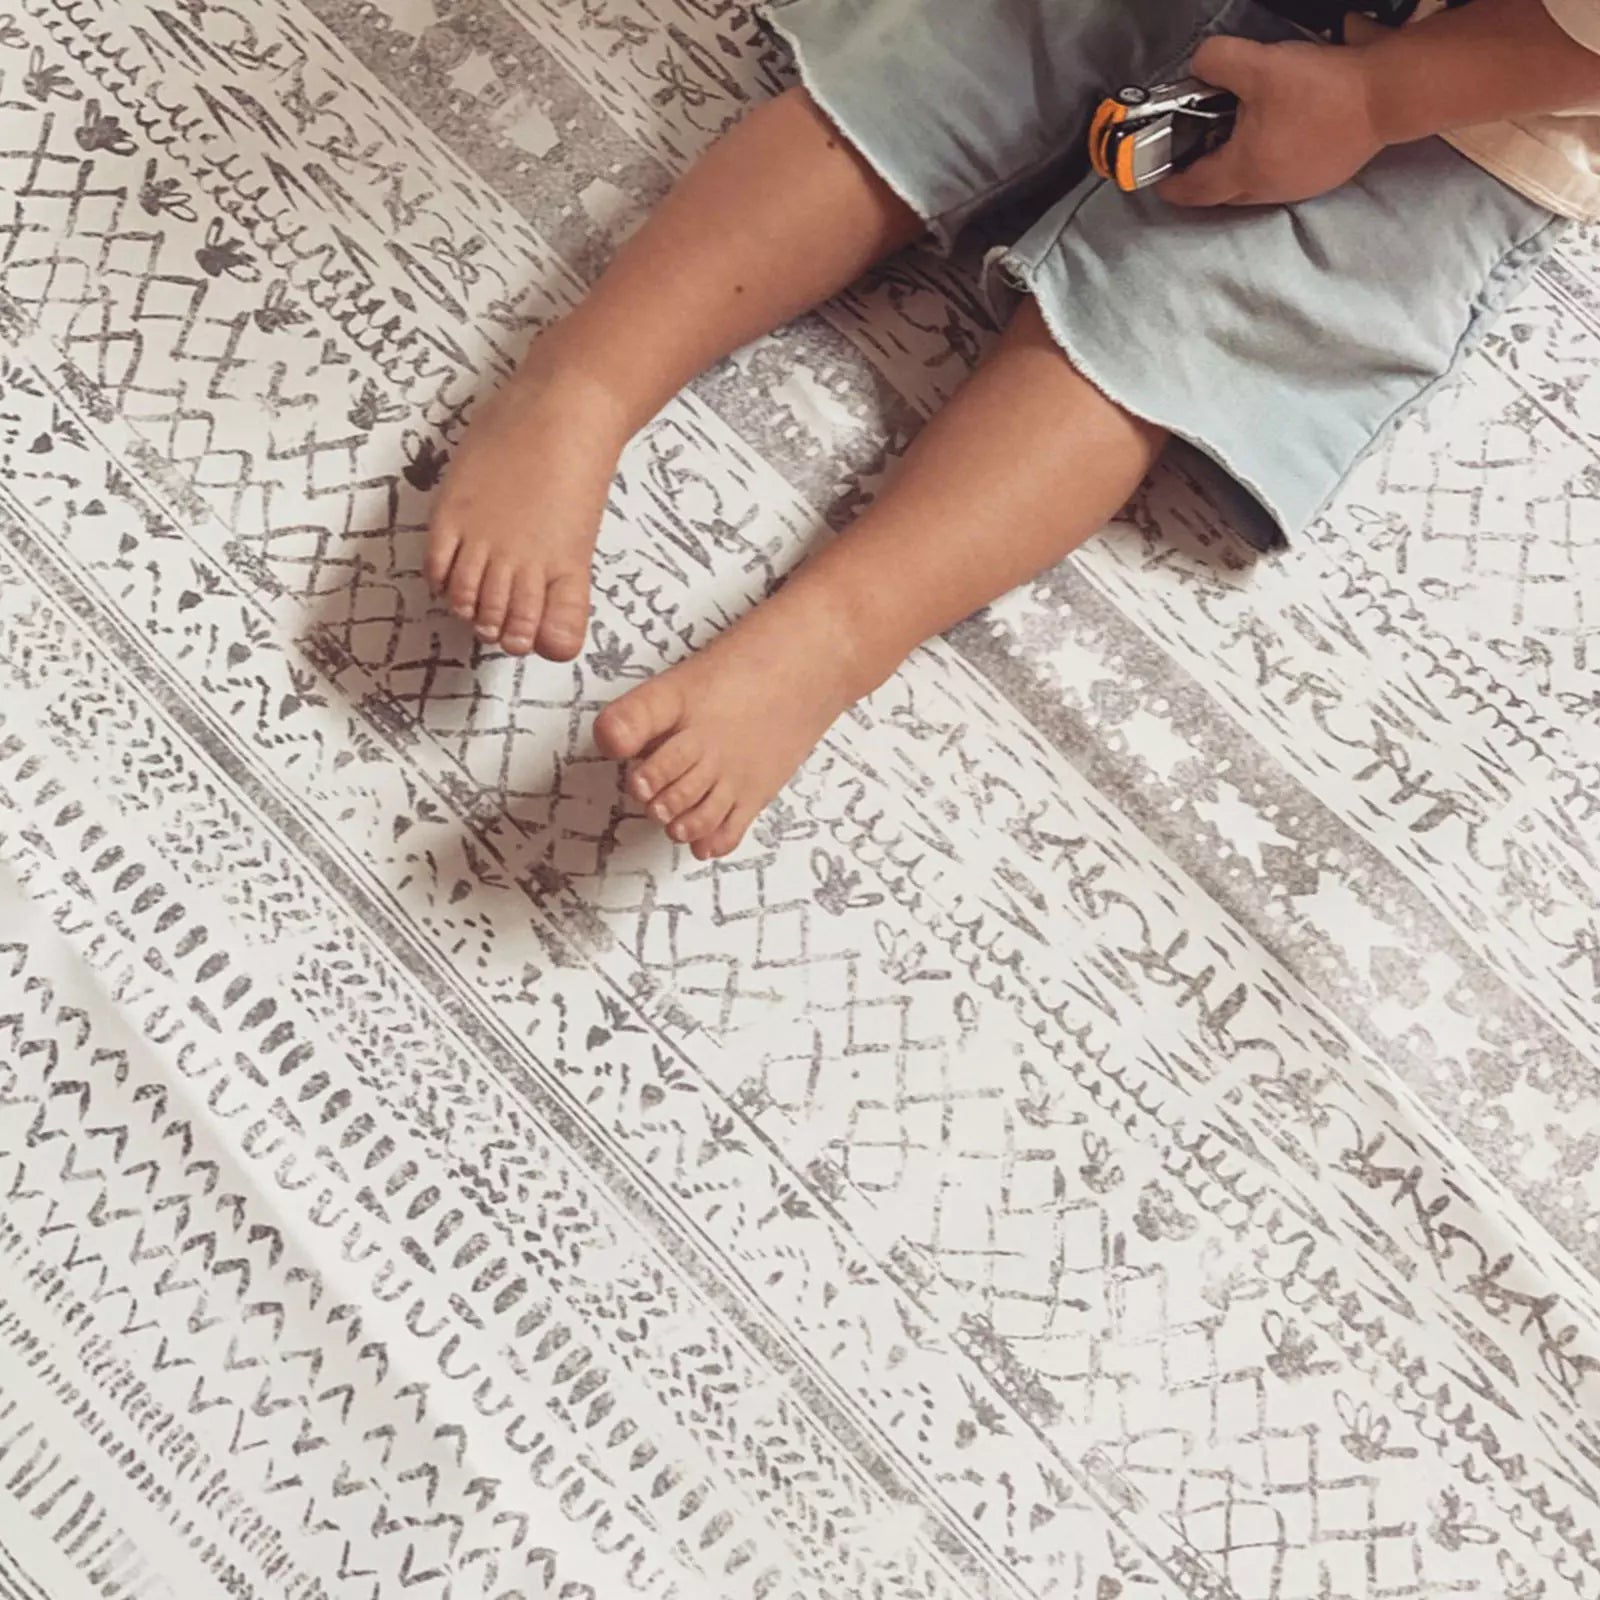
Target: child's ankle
558,365
856,644
557,377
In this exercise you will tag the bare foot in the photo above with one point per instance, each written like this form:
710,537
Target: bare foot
514,529
718,736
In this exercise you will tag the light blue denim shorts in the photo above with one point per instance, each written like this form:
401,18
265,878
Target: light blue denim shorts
1275,343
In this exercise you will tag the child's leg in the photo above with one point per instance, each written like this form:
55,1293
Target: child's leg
1024,464
777,216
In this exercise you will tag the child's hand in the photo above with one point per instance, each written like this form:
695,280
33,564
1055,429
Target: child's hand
1305,125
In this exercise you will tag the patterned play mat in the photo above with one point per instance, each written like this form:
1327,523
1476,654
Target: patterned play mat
1126,1125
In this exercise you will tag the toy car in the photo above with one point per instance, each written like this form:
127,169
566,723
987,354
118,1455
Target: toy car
1140,136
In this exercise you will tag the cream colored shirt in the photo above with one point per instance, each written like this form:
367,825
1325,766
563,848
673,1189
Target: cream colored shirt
1554,159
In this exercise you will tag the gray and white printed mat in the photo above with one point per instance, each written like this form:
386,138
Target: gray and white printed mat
1126,1126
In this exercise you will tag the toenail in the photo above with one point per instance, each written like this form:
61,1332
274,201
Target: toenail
661,814
518,641
678,832
463,612
490,634
641,786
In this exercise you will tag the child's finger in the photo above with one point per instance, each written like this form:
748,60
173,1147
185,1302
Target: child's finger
1215,181
1229,62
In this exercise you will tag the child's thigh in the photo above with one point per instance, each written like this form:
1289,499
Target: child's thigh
1281,341
955,102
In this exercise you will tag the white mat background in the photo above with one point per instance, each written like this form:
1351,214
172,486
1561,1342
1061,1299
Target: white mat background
1125,1126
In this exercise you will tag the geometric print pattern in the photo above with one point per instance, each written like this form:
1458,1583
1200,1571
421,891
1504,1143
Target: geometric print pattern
1125,1123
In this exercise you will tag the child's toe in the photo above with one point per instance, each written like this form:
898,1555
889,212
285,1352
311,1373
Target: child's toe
565,619
466,576
704,819
443,542
629,726
669,763
521,627
678,800
726,839
494,599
